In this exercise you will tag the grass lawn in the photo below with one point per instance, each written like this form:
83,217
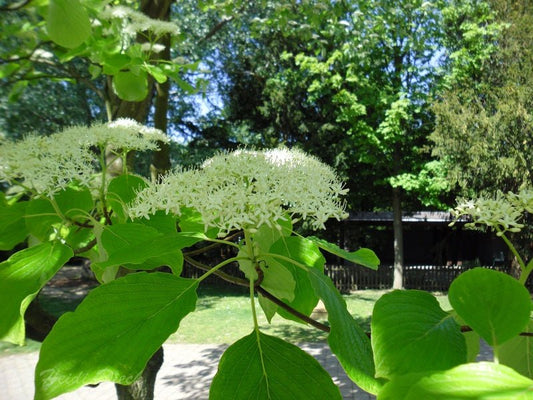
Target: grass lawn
223,316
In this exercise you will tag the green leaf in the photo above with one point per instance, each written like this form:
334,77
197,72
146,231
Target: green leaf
113,63
397,389
40,217
73,204
13,228
517,353
408,330
163,222
121,191
475,381
260,366
306,253
191,220
365,257
492,303
113,332
277,279
144,248
346,339
17,89
156,72
21,277
130,86
68,23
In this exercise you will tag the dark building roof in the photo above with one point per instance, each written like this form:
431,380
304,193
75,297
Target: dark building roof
385,217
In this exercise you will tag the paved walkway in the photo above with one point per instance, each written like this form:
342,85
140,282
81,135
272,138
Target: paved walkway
186,374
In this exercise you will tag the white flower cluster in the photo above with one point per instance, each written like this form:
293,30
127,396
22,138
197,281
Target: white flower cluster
47,164
135,21
44,164
245,189
501,213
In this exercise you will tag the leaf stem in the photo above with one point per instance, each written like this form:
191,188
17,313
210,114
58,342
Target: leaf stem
524,271
218,266
284,258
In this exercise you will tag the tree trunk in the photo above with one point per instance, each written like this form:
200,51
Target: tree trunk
143,387
398,238
161,158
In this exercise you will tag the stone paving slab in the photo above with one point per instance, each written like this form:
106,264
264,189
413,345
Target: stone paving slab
186,374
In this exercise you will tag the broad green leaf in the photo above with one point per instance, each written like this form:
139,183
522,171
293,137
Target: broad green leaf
306,254
156,72
131,87
113,63
113,332
477,381
517,353
67,23
365,257
149,253
21,277
472,339
492,303
191,220
121,191
40,217
269,308
74,203
163,222
408,332
398,388
276,279
260,366
13,228
346,339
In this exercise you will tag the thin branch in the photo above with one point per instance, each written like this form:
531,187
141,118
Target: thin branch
466,328
16,6
216,28
291,310
220,274
87,247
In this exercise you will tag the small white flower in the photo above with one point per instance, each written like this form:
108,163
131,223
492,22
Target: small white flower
48,164
245,189
135,21
501,213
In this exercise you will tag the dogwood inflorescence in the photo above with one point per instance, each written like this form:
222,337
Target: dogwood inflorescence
245,189
47,164
502,213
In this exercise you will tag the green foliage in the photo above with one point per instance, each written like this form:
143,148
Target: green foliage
260,366
68,23
21,278
494,304
12,225
82,41
113,332
416,349
407,329
346,338
472,381
483,131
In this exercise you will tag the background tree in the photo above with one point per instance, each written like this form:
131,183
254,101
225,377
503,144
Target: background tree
484,128
351,82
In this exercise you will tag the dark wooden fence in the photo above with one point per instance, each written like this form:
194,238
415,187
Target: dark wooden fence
423,277
348,278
